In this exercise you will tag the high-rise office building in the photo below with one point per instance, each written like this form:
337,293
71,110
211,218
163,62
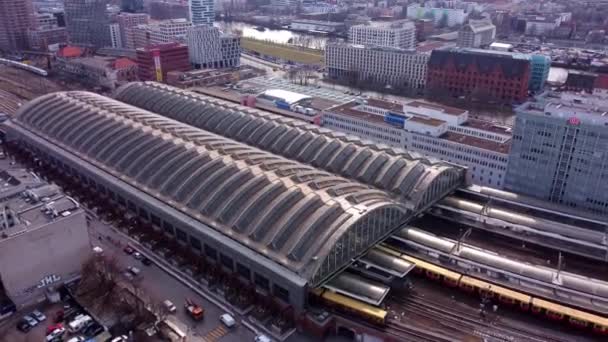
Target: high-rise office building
202,12
560,150
87,22
209,48
126,22
16,17
393,34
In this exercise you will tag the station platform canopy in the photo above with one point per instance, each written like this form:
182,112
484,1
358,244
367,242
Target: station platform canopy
359,288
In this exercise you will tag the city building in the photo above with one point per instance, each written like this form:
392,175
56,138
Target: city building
477,33
424,28
161,32
115,36
541,25
441,16
163,10
318,26
209,48
46,20
282,226
155,61
87,23
432,130
483,75
43,238
132,6
98,71
47,39
202,12
16,18
376,66
559,150
540,65
399,34
126,22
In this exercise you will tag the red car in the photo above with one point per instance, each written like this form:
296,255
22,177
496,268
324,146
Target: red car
53,327
129,250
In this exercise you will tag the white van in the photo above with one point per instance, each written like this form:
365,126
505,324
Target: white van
79,323
228,320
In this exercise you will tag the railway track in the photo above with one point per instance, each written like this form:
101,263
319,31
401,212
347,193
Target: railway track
412,334
468,322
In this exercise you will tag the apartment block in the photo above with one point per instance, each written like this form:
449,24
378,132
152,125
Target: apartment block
393,34
376,66
477,33
209,48
126,22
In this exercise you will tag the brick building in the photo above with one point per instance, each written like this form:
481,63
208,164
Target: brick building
478,75
156,61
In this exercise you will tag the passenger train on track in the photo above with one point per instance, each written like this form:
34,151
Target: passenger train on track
557,312
23,66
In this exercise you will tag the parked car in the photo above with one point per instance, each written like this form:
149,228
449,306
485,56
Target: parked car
228,320
122,338
262,338
169,306
146,261
129,250
134,270
39,316
30,320
76,339
138,256
23,326
55,335
53,327
93,330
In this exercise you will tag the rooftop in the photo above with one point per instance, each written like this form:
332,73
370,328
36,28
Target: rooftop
285,95
477,142
29,203
436,106
488,126
393,24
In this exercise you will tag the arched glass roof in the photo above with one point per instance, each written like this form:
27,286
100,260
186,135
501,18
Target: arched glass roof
405,175
308,220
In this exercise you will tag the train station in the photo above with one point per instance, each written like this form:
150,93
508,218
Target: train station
278,211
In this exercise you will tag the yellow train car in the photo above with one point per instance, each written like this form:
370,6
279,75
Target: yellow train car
351,306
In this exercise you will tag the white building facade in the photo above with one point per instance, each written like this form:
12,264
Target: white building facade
115,37
202,12
386,67
209,48
433,130
398,34
475,34
441,16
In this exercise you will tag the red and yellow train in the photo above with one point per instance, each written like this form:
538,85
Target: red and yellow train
558,312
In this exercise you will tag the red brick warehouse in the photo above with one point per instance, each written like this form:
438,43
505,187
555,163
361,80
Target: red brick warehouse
488,75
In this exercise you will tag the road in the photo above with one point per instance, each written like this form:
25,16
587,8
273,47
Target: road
160,286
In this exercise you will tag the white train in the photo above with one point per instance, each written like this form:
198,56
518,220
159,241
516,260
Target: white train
23,66
539,280
525,220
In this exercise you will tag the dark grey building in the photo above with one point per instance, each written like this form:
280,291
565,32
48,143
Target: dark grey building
276,210
88,23
560,150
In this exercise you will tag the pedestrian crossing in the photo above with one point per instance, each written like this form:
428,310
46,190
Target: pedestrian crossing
216,334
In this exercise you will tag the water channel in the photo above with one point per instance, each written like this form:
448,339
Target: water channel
282,36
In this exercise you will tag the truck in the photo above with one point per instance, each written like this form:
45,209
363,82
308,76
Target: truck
194,310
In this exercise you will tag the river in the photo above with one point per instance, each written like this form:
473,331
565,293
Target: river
277,36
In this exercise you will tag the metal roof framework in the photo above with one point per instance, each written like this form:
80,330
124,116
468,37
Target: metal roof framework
309,221
416,181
